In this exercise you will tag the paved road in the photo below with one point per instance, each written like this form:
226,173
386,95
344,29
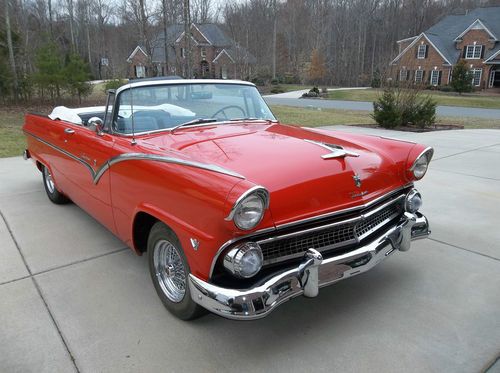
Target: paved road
73,298
448,111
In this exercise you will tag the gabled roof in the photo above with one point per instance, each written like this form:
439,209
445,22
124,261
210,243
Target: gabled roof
220,55
477,24
212,33
443,34
137,49
417,38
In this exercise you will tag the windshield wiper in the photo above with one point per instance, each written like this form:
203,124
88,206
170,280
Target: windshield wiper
194,121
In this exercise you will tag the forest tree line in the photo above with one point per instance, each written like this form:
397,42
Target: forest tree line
340,42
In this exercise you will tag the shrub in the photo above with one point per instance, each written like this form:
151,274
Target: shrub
404,106
277,89
446,88
258,81
76,75
114,84
461,78
376,80
313,92
386,111
275,82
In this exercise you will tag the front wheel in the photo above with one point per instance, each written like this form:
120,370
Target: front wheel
169,271
50,187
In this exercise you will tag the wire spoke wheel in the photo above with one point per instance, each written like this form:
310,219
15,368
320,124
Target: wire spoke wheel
169,270
49,182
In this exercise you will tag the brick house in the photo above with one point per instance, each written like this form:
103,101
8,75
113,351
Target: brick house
429,58
213,55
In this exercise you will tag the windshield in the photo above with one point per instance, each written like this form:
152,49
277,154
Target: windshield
157,107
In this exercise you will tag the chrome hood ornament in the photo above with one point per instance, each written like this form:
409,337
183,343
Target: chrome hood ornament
336,150
357,180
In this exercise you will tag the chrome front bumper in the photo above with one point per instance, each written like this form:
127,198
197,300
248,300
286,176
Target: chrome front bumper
309,276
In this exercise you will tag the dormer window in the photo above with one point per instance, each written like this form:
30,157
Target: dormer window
422,51
473,52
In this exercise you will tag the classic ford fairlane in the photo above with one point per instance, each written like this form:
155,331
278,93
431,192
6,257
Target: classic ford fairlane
237,212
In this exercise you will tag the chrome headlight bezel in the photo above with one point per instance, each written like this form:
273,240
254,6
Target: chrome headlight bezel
257,194
413,201
421,163
238,260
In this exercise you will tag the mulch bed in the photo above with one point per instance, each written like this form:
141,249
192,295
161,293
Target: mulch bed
436,127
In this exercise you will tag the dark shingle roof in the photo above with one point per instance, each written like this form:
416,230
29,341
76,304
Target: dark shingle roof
211,31
443,33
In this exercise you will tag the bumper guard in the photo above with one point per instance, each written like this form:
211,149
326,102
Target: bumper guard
306,279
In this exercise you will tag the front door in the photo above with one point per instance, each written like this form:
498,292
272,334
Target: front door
88,191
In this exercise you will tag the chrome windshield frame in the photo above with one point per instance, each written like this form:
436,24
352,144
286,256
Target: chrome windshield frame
172,83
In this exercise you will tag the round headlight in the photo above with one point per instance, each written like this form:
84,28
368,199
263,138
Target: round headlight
419,167
249,209
249,212
413,201
244,260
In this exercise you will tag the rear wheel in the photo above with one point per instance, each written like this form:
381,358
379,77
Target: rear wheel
169,271
50,187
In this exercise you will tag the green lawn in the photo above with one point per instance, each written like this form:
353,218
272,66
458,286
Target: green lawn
478,100
314,118
12,141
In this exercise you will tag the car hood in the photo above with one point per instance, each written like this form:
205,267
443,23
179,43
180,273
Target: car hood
300,181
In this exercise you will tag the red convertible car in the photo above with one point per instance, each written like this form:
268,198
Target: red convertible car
237,212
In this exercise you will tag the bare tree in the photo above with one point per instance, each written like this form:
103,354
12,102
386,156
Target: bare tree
10,47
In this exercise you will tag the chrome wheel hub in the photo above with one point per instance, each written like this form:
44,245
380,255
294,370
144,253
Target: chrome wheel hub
169,270
48,180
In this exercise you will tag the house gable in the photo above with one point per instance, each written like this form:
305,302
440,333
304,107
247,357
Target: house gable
223,57
412,49
477,25
137,49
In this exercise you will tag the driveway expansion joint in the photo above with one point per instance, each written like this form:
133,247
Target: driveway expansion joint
40,294
464,249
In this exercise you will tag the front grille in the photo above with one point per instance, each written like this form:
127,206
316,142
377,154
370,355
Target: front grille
371,223
331,235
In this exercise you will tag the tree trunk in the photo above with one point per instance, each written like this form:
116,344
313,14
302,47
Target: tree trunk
11,49
165,35
187,38
275,21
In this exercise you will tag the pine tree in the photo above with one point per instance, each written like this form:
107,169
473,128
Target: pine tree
50,74
461,78
76,76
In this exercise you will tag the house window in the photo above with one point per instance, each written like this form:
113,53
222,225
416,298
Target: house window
140,71
422,51
183,53
473,52
419,76
203,52
476,77
435,77
403,75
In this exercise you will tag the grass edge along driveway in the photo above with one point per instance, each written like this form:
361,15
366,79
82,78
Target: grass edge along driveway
475,100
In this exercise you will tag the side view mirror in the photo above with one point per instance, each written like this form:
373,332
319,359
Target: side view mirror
97,124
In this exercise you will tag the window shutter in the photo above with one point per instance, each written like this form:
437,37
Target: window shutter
482,51
426,51
439,77
416,52
408,73
464,52
423,76
135,71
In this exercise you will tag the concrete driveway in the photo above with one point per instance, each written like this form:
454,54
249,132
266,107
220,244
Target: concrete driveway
446,111
72,298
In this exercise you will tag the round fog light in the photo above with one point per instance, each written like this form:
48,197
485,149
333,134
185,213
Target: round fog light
244,260
413,201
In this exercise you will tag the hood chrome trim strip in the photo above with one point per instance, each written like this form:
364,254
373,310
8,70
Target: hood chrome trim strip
96,175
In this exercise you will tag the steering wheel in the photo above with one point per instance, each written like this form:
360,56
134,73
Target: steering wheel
223,111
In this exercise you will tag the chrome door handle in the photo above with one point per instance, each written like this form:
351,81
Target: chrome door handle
69,131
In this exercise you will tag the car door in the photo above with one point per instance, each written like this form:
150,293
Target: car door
92,152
